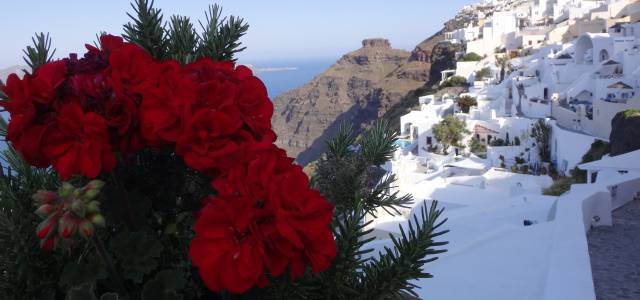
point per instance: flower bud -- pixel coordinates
(47, 226)
(86, 228)
(45, 197)
(90, 194)
(66, 189)
(95, 185)
(48, 243)
(79, 208)
(45, 210)
(67, 226)
(98, 220)
(93, 207)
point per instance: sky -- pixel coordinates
(280, 30)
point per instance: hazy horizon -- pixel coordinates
(279, 29)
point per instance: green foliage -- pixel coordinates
(476, 147)
(466, 102)
(183, 39)
(631, 112)
(498, 143)
(450, 132)
(350, 177)
(454, 81)
(164, 286)
(88, 271)
(40, 53)
(483, 73)
(597, 150)
(221, 35)
(388, 276)
(541, 132)
(147, 29)
(471, 56)
(82, 292)
(137, 253)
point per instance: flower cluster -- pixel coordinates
(264, 216)
(68, 212)
(83, 115)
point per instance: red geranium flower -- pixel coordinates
(266, 216)
(45, 81)
(79, 143)
(210, 139)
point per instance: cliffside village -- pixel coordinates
(547, 77)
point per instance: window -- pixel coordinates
(530, 43)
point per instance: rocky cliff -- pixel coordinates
(625, 132)
(359, 88)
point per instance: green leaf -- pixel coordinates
(81, 292)
(165, 286)
(137, 253)
(89, 271)
(109, 296)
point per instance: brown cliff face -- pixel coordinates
(359, 88)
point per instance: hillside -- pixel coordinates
(359, 88)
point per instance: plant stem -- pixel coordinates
(97, 243)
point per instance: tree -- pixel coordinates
(450, 132)
(466, 102)
(471, 56)
(541, 132)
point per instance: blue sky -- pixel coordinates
(280, 29)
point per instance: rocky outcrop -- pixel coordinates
(376, 43)
(625, 132)
(372, 82)
(359, 88)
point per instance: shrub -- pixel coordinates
(454, 81)
(476, 147)
(471, 56)
(498, 143)
(559, 187)
(483, 73)
(466, 102)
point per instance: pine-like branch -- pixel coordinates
(147, 29)
(221, 36)
(390, 275)
(183, 39)
(339, 147)
(40, 53)
(378, 143)
(381, 197)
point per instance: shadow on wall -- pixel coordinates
(356, 115)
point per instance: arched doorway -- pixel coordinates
(604, 55)
(583, 45)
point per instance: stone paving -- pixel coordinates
(615, 255)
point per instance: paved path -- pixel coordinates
(615, 255)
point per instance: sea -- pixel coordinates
(280, 76)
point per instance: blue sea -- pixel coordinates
(282, 76)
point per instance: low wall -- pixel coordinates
(569, 275)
